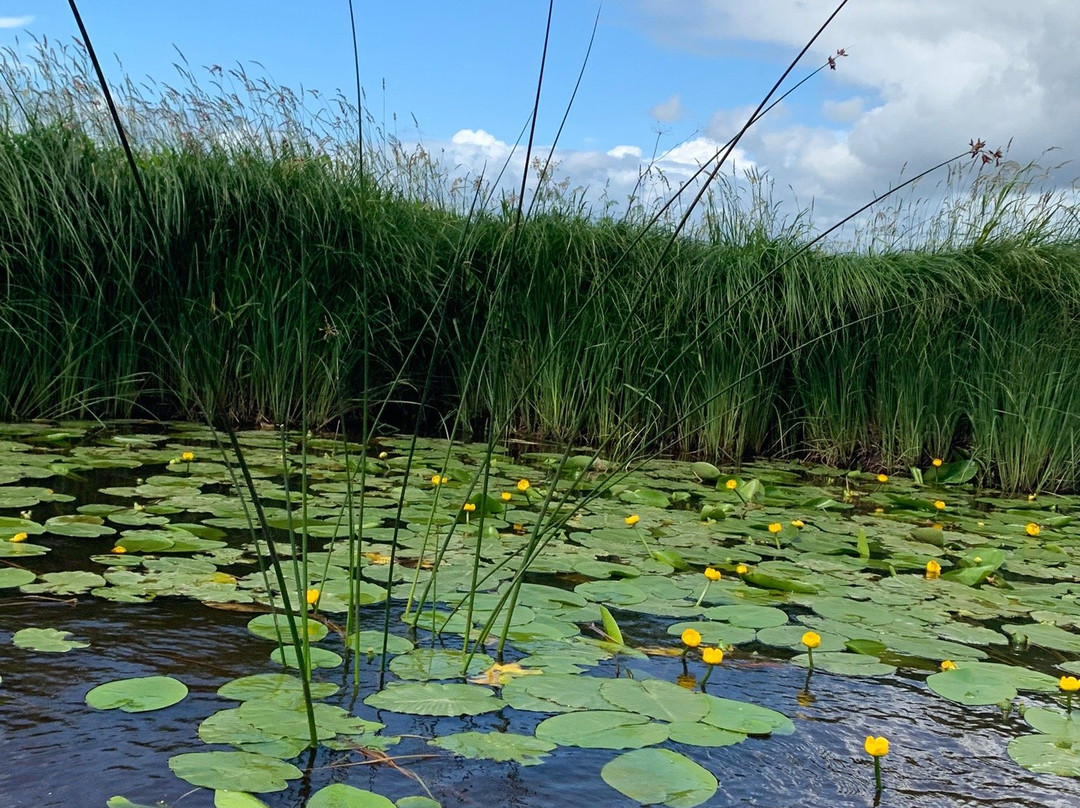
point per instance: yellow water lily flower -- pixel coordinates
(119, 549)
(742, 569)
(1032, 529)
(523, 485)
(775, 527)
(438, 479)
(505, 496)
(500, 674)
(883, 478)
(187, 457)
(876, 747)
(811, 639)
(712, 656)
(731, 485)
(312, 596)
(383, 455)
(948, 665)
(19, 537)
(691, 638)
(469, 507)
(936, 462)
(632, 519)
(1070, 684)
(939, 504)
(933, 569)
(799, 523)
(712, 574)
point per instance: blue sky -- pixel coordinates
(922, 78)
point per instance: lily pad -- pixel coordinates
(660, 776)
(340, 795)
(139, 695)
(13, 576)
(432, 698)
(656, 698)
(234, 771)
(48, 640)
(601, 729)
(1046, 754)
(497, 746)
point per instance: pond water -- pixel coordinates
(178, 602)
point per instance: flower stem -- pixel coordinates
(877, 774)
(703, 593)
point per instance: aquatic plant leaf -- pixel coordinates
(317, 657)
(601, 729)
(431, 698)
(660, 776)
(498, 746)
(1045, 636)
(746, 718)
(48, 640)
(340, 795)
(237, 799)
(13, 576)
(234, 771)
(124, 802)
(83, 526)
(1052, 722)
(611, 627)
(715, 633)
(957, 473)
(555, 693)
(966, 686)
(696, 733)
(845, 664)
(425, 664)
(656, 698)
(748, 616)
(371, 642)
(139, 695)
(263, 626)
(417, 802)
(706, 472)
(1046, 754)
(11, 549)
(73, 582)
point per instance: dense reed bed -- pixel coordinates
(270, 242)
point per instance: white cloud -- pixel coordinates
(668, 111)
(939, 74)
(624, 151)
(16, 22)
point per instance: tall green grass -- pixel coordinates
(570, 325)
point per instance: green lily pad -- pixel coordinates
(1046, 754)
(48, 640)
(340, 795)
(83, 526)
(846, 664)
(696, 733)
(656, 698)
(745, 718)
(74, 582)
(236, 799)
(497, 746)
(601, 729)
(988, 683)
(318, 657)
(555, 693)
(264, 626)
(138, 695)
(660, 776)
(13, 576)
(234, 771)
(432, 698)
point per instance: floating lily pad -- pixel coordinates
(48, 640)
(138, 695)
(745, 718)
(656, 698)
(236, 799)
(264, 626)
(1046, 754)
(555, 693)
(431, 698)
(340, 795)
(497, 746)
(13, 576)
(317, 657)
(234, 771)
(601, 729)
(660, 776)
(846, 664)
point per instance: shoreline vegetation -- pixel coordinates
(570, 325)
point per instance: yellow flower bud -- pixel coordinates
(712, 656)
(775, 527)
(711, 574)
(933, 569)
(1070, 684)
(523, 485)
(632, 519)
(691, 638)
(876, 747)
(799, 523)
(469, 507)
(948, 665)
(312, 596)
(187, 457)
(383, 455)
(19, 537)
(811, 639)
(939, 504)
(1032, 529)
(731, 485)
(936, 462)
(119, 549)
(505, 496)
(883, 478)
(742, 569)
